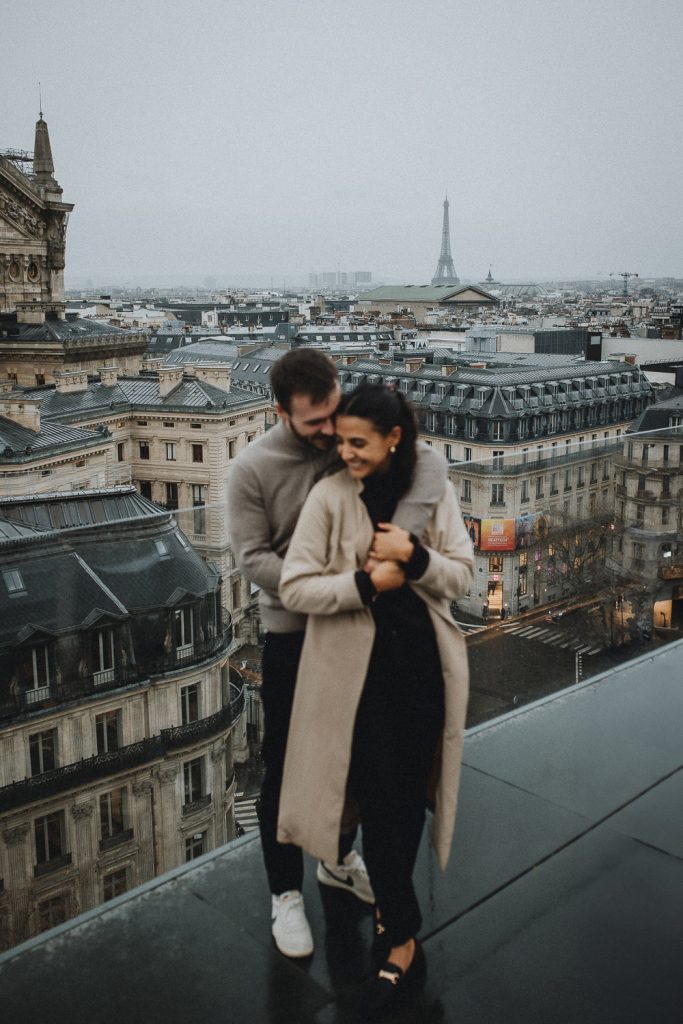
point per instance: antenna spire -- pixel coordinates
(40, 101)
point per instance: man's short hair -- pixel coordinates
(303, 371)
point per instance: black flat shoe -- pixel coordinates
(391, 986)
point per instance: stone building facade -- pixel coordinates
(117, 713)
(530, 453)
(37, 339)
(647, 552)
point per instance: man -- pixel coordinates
(267, 488)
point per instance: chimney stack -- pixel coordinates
(109, 375)
(169, 378)
(24, 411)
(69, 381)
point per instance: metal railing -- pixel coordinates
(99, 766)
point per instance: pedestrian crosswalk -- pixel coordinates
(245, 812)
(553, 637)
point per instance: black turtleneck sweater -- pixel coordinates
(401, 611)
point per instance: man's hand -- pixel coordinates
(391, 543)
(387, 576)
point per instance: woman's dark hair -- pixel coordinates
(385, 409)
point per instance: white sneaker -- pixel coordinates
(351, 875)
(290, 928)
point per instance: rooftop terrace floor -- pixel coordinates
(563, 901)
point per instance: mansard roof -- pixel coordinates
(19, 443)
(54, 329)
(658, 416)
(107, 550)
(139, 392)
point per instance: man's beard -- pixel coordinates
(327, 441)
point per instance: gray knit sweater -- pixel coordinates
(267, 487)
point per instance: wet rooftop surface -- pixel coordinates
(563, 901)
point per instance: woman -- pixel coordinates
(382, 683)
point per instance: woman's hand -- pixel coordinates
(387, 576)
(391, 543)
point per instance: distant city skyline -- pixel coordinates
(256, 141)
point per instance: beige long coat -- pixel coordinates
(331, 541)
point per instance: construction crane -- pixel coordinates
(625, 274)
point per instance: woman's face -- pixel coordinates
(362, 447)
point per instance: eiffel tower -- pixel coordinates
(445, 271)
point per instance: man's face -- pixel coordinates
(312, 422)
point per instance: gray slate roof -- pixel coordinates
(137, 392)
(89, 554)
(19, 443)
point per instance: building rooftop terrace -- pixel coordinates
(562, 902)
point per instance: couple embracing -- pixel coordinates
(353, 533)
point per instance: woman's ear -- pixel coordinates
(394, 435)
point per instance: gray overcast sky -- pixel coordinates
(258, 138)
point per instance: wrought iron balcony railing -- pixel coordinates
(152, 748)
(111, 679)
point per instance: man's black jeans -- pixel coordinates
(284, 861)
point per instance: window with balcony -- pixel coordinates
(43, 751)
(498, 457)
(50, 838)
(172, 496)
(35, 672)
(193, 780)
(594, 473)
(144, 449)
(103, 657)
(497, 494)
(498, 430)
(581, 476)
(525, 491)
(114, 815)
(553, 483)
(170, 451)
(197, 452)
(567, 479)
(198, 507)
(184, 631)
(466, 491)
(108, 731)
(195, 846)
(539, 487)
(471, 427)
(115, 883)
(189, 703)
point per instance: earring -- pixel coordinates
(392, 449)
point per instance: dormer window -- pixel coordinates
(13, 581)
(103, 657)
(35, 673)
(184, 632)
